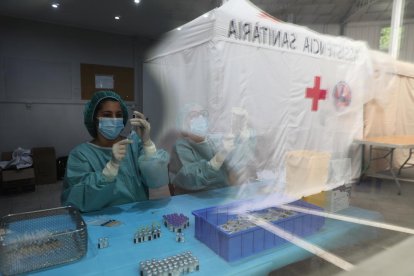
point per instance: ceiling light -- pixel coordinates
(117, 17)
(137, 1)
(55, 5)
(205, 15)
(179, 28)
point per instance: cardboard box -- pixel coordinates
(44, 163)
(337, 204)
(306, 171)
(332, 201)
(17, 180)
(341, 191)
(318, 199)
(338, 198)
(12, 175)
(12, 180)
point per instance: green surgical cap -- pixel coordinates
(91, 106)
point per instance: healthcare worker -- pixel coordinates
(196, 163)
(111, 169)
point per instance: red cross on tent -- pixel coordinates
(316, 93)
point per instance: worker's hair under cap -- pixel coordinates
(90, 108)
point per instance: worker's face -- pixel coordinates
(110, 109)
(198, 123)
(197, 113)
(108, 120)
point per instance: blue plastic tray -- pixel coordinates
(244, 243)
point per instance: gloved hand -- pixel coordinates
(142, 127)
(239, 118)
(244, 135)
(228, 143)
(119, 150)
(227, 146)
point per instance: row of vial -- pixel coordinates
(172, 266)
(147, 234)
(241, 222)
(142, 235)
(176, 222)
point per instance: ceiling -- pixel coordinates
(151, 18)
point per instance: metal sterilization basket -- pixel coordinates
(40, 239)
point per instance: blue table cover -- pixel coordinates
(122, 257)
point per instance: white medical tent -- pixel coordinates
(303, 91)
(390, 112)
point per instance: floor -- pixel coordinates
(45, 196)
(375, 195)
(371, 194)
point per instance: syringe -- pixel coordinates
(132, 131)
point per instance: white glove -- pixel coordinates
(119, 150)
(227, 146)
(228, 143)
(239, 118)
(142, 127)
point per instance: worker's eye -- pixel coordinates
(204, 113)
(110, 114)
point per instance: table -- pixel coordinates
(123, 256)
(388, 145)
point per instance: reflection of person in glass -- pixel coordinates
(196, 163)
(241, 162)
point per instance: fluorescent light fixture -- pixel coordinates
(179, 28)
(117, 17)
(205, 15)
(55, 5)
(137, 1)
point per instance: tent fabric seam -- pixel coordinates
(177, 50)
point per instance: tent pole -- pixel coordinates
(396, 22)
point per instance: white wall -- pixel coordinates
(40, 96)
(407, 43)
(369, 32)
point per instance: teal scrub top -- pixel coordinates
(86, 188)
(193, 171)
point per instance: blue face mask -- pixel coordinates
(199, 126)
(110, 127)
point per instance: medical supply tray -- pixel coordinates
(234, 245)
(40, 239)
